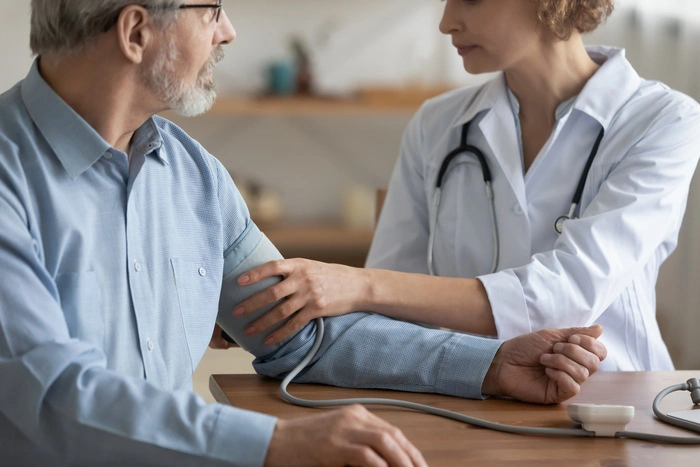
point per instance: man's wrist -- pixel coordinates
(491, 384)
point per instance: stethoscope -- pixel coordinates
(464, 147)
(600, 421)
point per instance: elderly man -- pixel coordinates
(120, 235)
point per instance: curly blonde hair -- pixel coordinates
(562, 17)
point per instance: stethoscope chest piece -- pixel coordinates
(559, 223)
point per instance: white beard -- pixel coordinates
(187, 100)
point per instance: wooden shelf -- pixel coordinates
(268, 106)
(322, 242)
(368, 101)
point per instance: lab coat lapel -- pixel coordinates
(498, 128)
(610, 88)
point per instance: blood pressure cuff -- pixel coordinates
(251, 249)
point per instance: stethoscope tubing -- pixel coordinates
(494, 228)
(464, 147)
(559, 223)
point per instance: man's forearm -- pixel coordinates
(359, 349)
(364, 350)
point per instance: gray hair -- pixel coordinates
(65, 27)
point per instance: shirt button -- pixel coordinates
(108, 155)
(150, 344)
(137, 266)
(517, 209)
(202, 272)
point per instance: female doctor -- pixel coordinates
(546, 197)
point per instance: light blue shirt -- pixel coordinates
(109, 289)
(604, 265)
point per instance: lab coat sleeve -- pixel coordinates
(60, 405)
(401, 238)
(632, 222)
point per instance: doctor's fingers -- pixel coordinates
(282, 311)
(265, 297)
(280, 267)
(313, 280)
(300, 308)
(296, 322)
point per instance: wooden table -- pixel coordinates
(446, 442)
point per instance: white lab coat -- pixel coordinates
(603, 267)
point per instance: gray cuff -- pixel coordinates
(251, 249)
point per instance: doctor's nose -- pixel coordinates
(450, 23)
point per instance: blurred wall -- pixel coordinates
(352, 43)
(313, 162)
(14, 35)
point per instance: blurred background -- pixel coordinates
(314, 97)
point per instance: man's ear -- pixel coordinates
(135, 31)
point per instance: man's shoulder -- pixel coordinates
(12, 108)
(11, 93)
(177, 141)
(175, 138)
(16, 126)
(171, 131)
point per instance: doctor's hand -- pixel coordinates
(545, 367)
(308, 290)
(348, 436)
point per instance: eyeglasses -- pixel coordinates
(218, 7)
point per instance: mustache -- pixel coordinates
(217, 55)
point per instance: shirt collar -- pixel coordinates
(490, 95)
(76, 144)
(610, 87)
(601, 98)
(147, 139)
(561, 110)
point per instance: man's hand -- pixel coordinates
(545, 367)
(348, 436)
(217, 339)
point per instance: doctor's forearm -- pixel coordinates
(454, 303)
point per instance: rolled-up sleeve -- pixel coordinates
(359, 350)
(363, 350)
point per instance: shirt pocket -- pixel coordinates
(81, 302)
(198, 297)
